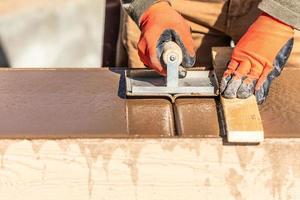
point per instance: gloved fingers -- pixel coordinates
(234, 84)
(232, 66)
(243, 69)
(232, 88)
(184, 39)
(262, 93)
(247, 88)
(142, 46)
(251, 72)
(189, 54)
(148, 54)
(185, 32)
(263, 85)
(263, 76)
(188, 60)
(155, 63)
(224, 82)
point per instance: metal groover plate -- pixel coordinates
(144, 82)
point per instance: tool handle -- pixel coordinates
(172, 57)
(172, 53)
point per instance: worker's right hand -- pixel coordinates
(159, 24)
(258, 58)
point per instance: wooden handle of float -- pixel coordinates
(172, 53)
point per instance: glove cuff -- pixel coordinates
(136, 8)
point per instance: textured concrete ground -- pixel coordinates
(57, 33)
(149, 169)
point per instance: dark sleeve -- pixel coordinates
(136, 8)
(287, 11)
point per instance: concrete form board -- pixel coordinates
(67, 103)
(147, 169)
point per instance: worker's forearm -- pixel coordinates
(286, 11)
(135, 8)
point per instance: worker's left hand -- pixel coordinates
(257, 59)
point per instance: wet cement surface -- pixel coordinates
(150, 117)
(90, 103)
(81, 103)
(281, 112)
(197, 117)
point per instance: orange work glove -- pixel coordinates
(159, 24)
(257, 59)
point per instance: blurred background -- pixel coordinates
(58, 33)
(65, 33)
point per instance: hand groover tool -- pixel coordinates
(146, 82)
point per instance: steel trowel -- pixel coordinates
(177, 82)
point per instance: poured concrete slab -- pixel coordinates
(197, 117)
(68, 103)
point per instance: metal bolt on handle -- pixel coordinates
(172, 57)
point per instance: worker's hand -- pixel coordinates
(160, 24)
(258, 58)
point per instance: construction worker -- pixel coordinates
(262, 30)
